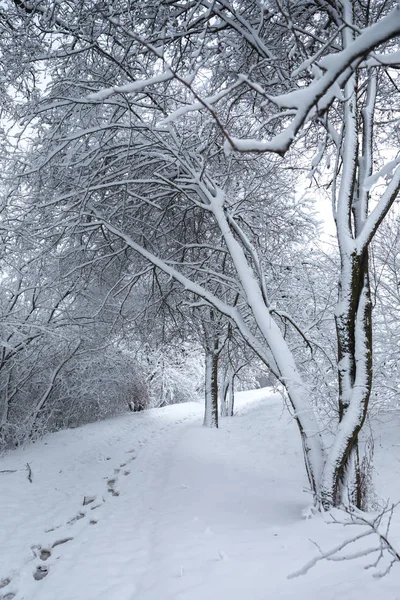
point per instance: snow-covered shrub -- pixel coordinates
(173, 375)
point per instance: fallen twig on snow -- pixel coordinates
(382, 546)
(28, 466)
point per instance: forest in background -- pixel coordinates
(163, 162)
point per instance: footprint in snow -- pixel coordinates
(77, 517)
(44, 554)
(41, 552)
(62, 541)
(52, 528)
(131, 458)
(88, 500)
(111, 487)
(41, 572)
(4, 582)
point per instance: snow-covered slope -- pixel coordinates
(174, 511)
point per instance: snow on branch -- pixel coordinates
(229, 311)
(379, 212)
(337, 68)
(334, 70)
(131, 88)
(384, 60)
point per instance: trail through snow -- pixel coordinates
(152, 506)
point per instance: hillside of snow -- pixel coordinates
(152, 506)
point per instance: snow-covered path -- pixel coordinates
(176, 512)
(120, 464)
(218, 506)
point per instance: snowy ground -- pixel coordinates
(178, 512)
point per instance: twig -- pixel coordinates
(28, 466)
(382, 546)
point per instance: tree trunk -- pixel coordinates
(211, 395)
(231, 394)
(227, 396)
(285, 366)
(224, 401)
(342, 481)
(6, 406)
(224, 394)
(36, 412)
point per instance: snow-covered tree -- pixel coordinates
(141, 101)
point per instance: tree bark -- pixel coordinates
(342, 481)
(224, 398)
(227, 396)
(211, 395)
(231, 395)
